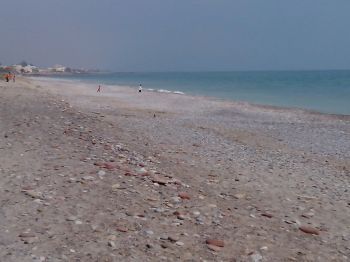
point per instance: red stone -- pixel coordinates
(184, 195)
(309, 230)
(122, 229)
(109, 166)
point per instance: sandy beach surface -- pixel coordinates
(124, 176)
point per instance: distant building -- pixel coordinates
(58, 68)
(25, 69)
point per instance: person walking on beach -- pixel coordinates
(99, 89)
(7, 77)
(140, 88)
(14, 78)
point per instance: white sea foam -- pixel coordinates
(179, 92)
(163, 91)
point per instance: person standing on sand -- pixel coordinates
(99, 89)
(140, 88)
(14, 78)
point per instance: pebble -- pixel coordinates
(159, 180)
(196, 213)
(309, 230)
(159, 210)
(215, 242)
(181, 217)
(164, 245)
(33, 194)
(200, 220)
(268, 215)
(122, 229)
(173, 238)
(149, 232)
(308, 214)
(179, 243)
(256, 257)
(101, 173)
(239, 196)
(214, 248)
(88, 178)
(184, 195)
(176, 200)
(26, 234)
(71, 218)
(111, 244)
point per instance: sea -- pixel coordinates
(321, 91)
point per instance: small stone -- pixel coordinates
(176, 200)
(256, 257)
(109, 166)
(112, 237)
(308, 214)
(30, 240)
(239, 196)
(122, 229)
(111, 244)
(88, 178)
(181, 217)
(164, 245)
(214, 248)
(179, 243)
(26, 234)
(268, 215)
(309, 230)
(159, 180)
(129, 214)
(78, 222)
(71, 218)
(184, 195)
(101, 173)
(33, 194)
(173, 238)
(215, 242)
(149, 232)
(196, 213)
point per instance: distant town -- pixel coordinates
(27, 68)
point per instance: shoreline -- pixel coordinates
(258, 106)
(122, 176)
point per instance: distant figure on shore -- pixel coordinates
(14, 78)
(99, 89)
(140, 88)
(7, 77)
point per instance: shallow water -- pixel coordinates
(323, 91)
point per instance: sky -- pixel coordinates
(177, 35)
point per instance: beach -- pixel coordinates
(125, 176)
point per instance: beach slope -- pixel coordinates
(123, 176)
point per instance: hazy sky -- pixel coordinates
(180, 35)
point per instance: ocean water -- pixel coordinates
(322, 91)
